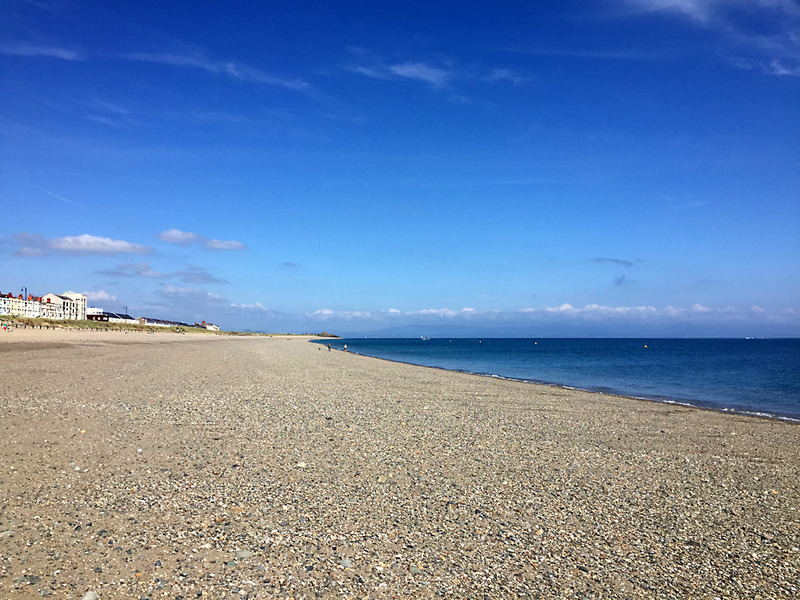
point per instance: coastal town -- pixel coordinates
(72, 306)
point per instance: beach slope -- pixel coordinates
(164, 465)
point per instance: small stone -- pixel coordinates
(244, 553)
(346, 562)
(90, 596)
(415, 570)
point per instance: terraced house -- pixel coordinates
(69, 305)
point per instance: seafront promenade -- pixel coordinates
(138, 465)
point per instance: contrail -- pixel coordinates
(67, 200)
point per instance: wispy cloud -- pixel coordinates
(708, 11)
(613, 261)
(763, 34)
(140, 269)
(171, 290)
(195, 274)
(422, 72)
(497, 75)
(591, 54)
(438, 73)
(622, 280)
(230, 69)
(188, 238)
(36, 245)
(34, 50)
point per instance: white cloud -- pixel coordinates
(440, 312)
(223, 245)
(587, 312)
(181, 238)
(171, 290)
(34, 244)
(563, 308)
(99, 296)
(188, 238)
(256, 306)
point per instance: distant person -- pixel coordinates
(345, 347)
(329, 347)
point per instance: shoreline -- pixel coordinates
(259, 467)
(657, 398)
(665, 400)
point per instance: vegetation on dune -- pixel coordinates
(41, 323)
(14, 321)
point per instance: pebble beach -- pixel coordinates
(138, 465)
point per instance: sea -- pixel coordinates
(758, 377)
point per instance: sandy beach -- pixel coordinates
(183, 466)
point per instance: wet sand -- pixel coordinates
(173, 466)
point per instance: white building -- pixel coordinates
(6, 302)
(19, 306)
(50, 310)
(69, 305)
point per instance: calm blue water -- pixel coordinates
(749, 376)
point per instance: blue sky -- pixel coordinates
(629, 167)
